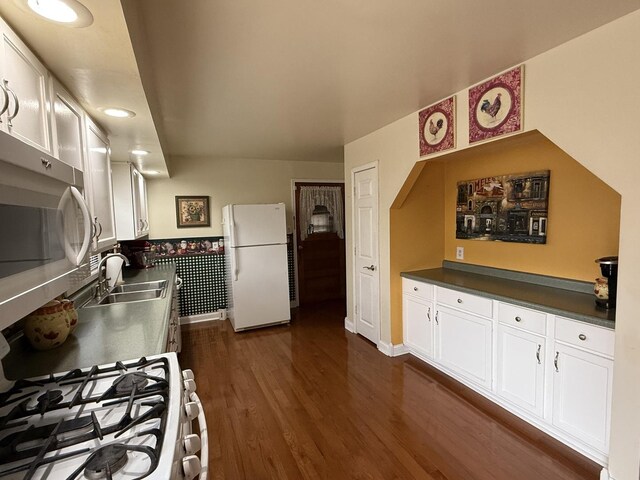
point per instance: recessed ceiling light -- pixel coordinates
(117, 112)
(71, 13)
(140, 152)
(151, 172)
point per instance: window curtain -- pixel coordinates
(330, 197)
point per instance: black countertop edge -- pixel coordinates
(566, 303)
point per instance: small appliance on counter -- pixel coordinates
(139, 253)
(606, 286)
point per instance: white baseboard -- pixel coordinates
(604, 475)
(204, 317)
(392, 350)
(349, 326)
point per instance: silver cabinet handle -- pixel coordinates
(371, 267)
(46, 163)
(141, 223)
(538, 354)
(518, 319)
(429, 313)
(582, 337)
(437, 312)
(415, 289)
(5, 105)
(555, 361)
(459, 300)
(17, 102)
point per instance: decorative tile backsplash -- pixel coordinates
(200, 263)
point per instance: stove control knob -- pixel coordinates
(189, 385)
(191, 467)
(192, 444)
(192, 410)
(188, 374)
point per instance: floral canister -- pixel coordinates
(47, 327)
(601, 288)
(72, 314)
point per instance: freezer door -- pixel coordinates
(260, 286)
(252, 225)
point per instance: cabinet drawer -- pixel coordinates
(418, 289)
(583, 335)
(465, 301)
(530, 320)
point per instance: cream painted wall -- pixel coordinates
(583, 95)
(228, 181)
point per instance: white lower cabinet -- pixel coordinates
(520, 372)
(582, 383)
(464, 345)
(552, 371)
(418, 315)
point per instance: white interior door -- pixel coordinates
(365, 237)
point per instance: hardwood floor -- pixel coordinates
(312, 401)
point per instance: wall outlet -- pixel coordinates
(459, 253)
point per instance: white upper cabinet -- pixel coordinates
(130, 200)
(68, 144)
(98, 188)
(24, 89)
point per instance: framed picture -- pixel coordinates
(505, 208)
(192, 212)
(437, 127)
(495, 106)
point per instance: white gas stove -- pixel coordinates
(128, 420)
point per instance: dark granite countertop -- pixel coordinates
(105, 333)
(550, 299)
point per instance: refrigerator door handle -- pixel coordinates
(234, 257)
(232, 228)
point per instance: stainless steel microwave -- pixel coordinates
(45, 228)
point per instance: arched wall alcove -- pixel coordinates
(584, 215)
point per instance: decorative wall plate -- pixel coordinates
(437, 127)
(495, 106)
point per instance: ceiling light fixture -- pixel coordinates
(70, 13)
(139, 152)
(117, 112)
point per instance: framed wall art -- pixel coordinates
(192, 211)
(495, 106)
(437, 127)
(507, 208)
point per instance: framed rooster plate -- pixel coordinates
(495, 106)
(437, 127)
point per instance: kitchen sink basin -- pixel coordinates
(140, 287)
(131, 296)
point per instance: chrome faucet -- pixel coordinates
(102, 283)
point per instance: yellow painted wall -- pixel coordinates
(584, 213)
(584, 216)
(417, 232)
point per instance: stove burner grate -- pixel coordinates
(105, 461)
(126, 382)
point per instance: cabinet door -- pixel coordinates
(521, 368)
(101, 192)
(464, 345)
(582, 395)
(417, 318)
(67, 128)
(27, 83)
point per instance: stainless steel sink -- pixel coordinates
(140, 287)
(132, 292)
(131, 296)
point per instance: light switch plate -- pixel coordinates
(459, 253)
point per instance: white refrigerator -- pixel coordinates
(257, 277)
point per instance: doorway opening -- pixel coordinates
(320, 246)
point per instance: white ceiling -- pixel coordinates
(289, 79)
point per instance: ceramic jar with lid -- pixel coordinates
(72, 314)
(48, 327)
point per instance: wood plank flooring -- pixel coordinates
(313, 401)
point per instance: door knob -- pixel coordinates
(371, 267)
